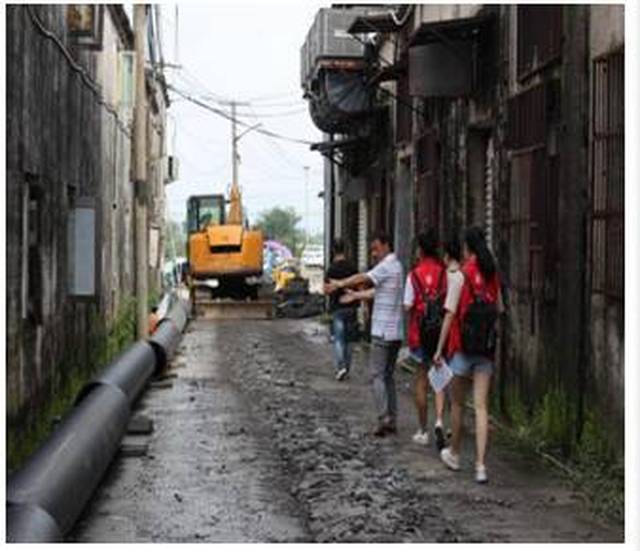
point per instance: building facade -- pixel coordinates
(510, 118)
(70, 198)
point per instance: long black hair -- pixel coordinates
(475, 241)
(428, 243)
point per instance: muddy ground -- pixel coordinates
(255, 441)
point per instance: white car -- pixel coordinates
(313, 257)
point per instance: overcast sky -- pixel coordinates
(246, 52)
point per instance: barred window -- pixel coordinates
(607, 156)
(404, 113)
(539, 37)
(428, 180)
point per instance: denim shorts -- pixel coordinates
(465, 365)
(417, 354)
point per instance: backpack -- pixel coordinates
(430, 320)
(478, 331)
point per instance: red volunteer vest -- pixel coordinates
(427, 273)
(491, 290)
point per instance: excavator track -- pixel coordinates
(207, 308)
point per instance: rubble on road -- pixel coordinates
(337, 475)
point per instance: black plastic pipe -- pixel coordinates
(46, 496)
(60, 477)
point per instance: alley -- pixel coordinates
(255, 441)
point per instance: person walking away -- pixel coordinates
(424, 293)
(469, 332)
(386, 325)
(343, 316)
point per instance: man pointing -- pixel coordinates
(386, 280)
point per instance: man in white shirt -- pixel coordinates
(386, 325)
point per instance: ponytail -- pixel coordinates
(475, 241)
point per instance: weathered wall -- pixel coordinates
(62, 145)
(606, 35)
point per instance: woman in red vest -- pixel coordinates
(427, 279)
(480, 282)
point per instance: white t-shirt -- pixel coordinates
(409, 294)
(387, 317)
(455, 282)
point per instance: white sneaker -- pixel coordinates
(450, 459)
(421, 438)
(481, 474)
(341, 374)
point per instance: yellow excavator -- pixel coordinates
(224, 254)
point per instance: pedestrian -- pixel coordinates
(386, 325)
(424, 293)
(343, 316)
(153, 320)
(468, 331)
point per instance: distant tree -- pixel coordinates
(175, 235)
(281, 224)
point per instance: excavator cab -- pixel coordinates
(203, 210)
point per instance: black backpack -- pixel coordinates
(430, 321)
(479, 334)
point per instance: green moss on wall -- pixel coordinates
(28, 431)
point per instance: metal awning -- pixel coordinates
(466, 28)
(376, 23)
(330, 146)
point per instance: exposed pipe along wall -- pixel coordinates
(47, 495)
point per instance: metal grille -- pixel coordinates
(527, 118)
(428, 181)
(539, 37)
(404, 114)
(608, 176)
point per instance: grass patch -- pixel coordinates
(591, 465)
(29, 431)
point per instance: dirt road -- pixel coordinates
(255, 441)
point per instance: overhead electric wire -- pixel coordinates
(88, 80)
(225, 115)
(273, 115)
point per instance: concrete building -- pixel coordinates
(70, 230)
(507, 117)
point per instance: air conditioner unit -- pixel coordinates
(171, 172)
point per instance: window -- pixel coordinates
(404, 112)
(539, 37)
(428, 181)
(532, 222)
(126, 80)
(85, 23)
(607, 157)
(31, 263)
(203, 211)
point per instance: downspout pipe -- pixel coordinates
(48, 493)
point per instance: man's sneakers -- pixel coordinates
(341, 374)
(450, 459)
(421, 437)
(481, 474)
(440, 439)
(385, 427)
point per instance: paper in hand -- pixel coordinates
(439, 377)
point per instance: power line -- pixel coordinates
(89, 82)
(225, 115)
(274, 115)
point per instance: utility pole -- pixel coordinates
(306, 205)
(235, 138)
(234, 146)
(140, 173)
